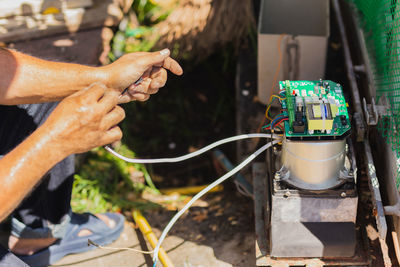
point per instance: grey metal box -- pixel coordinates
(301, 29)
(305, 225)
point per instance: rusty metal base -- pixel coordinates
(360, 259)
(263, 258)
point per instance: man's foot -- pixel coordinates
(81, 228)
(25, 246)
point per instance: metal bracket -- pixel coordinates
(376, 194)
(373, 112)
(360, 68)
(293, 57)
(393, 210)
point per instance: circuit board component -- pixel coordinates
(319, 117)
(316, 109)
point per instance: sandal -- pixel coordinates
(72, 243)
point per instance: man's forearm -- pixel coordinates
(23, 167)
(25, 79)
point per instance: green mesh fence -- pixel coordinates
(380, 21)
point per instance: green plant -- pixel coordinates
(149, 12)
(106, 183)
(132, 37)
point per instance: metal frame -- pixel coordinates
(362, 135)
(360, 126)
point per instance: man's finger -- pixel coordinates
(91, 93)
(109, 100)
(143, 87)
(169, 63)
(173, 66)
(125, 98)
(151, 59)
(140, 96)
(112, 135)
(158, 79)
(113, 118)
(153, 91)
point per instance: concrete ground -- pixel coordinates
(181, 253)
(221, 233)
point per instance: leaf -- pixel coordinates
(200, 217)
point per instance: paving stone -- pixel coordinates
(83, 47)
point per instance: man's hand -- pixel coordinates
(151, 67)
(86, 119)
(53, 81)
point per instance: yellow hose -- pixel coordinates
(146, 230)
(190, 190)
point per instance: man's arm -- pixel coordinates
(80, 122)
(25, 79)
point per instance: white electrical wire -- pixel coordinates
(193, 154)
(209, 187)
(90, 242)
(204, 191)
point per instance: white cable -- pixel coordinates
(193, 154)
(204, 191)
(90, 242)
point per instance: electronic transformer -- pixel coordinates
(314, 200)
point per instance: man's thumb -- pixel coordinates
(154, 58)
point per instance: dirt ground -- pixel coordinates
(226, 225)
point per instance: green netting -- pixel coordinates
(380, 21)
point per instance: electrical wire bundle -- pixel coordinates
(278, 120)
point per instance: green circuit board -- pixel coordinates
(316, 109)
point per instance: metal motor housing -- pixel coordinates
(314, 165)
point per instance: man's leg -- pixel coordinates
(44, 216)
(45, 213)
(48, 205)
